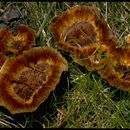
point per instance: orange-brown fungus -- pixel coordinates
(15, 44)
(82, 32)
(27, 80)
(117, 70)
(118, 76)
(128, 38)
(75, 29)
(127, 41)
(30, 80)
(96, 61)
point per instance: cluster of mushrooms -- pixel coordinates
(28, 74)
(83, 33)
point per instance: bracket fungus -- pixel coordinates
(27, 80)
(15, 44)
(117, 69)
(117, 73)
(127, 41)
(81, 31)
(128, 38)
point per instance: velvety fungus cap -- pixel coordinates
(27, 80)
(15, 44)
(81, 31)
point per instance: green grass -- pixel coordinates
(82, 98)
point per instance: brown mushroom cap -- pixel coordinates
(128, 38)
(16, 44)
(117, 70)
(93, 62)
(79, 27)
(27, 80)
(127, 41)
(75, 29)
(82, 32)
